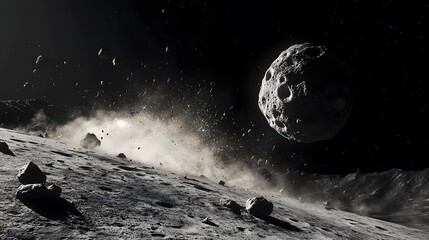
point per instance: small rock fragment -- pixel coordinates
(121, 155)
(90, 141)
(328, 205)
(234, 206)
(221, 183)
(259, 206)
(55, 190)
(30, 174)
(209, 222)
(4, 148)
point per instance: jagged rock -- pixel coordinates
(306, 94)
(234, 206)
(121, 155)
(90, 141)
(34, 192)
(4, 148)
(221, 183)
(30, 174)
(209, 222)
(55, 190)
(259, 206)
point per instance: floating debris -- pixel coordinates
(39, 59)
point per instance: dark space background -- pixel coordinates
(211, 56)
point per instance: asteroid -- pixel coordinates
(259, 206)
(31, 174)
(90, 141)
(306, 94)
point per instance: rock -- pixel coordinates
(4, 148)
(55, 190)
(30, 174)
(34, 192)
(328, 205)
(209, 222)
(307, 94)
(221, 183)
(234, 206)
(259, 206)
(121, 155)
(203, 177)
(90, 141)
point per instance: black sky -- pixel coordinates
(231, 43)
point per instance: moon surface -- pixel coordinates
(130, 200)
(306, 94)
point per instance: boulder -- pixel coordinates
(4, 148)
(259, 206)
(30, 174)
(90, 141)
(34, 192)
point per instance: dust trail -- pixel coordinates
(169, 144)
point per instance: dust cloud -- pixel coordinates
(168, 144)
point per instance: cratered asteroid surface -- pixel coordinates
(306, 94)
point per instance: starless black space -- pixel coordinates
(184, 48)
